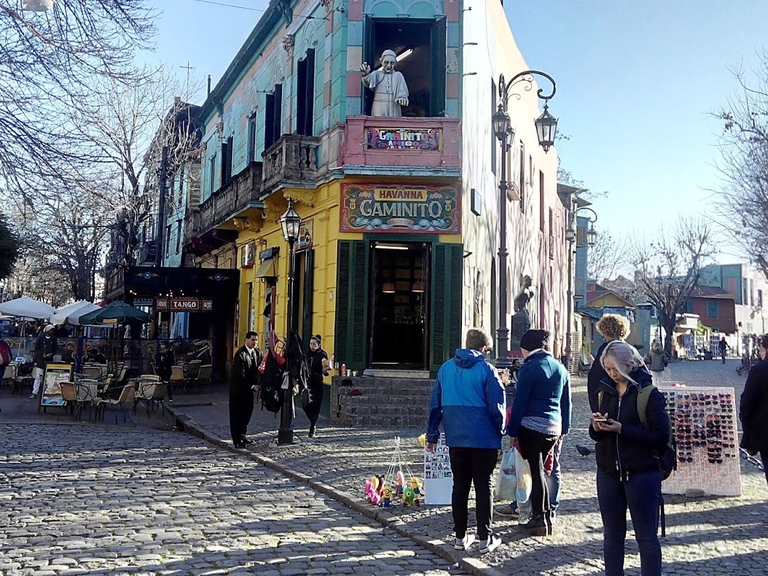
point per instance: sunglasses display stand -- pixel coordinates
(704, 424)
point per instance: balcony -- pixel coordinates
(401, 146)
(291, 162)
(230, 200)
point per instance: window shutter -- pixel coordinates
(305, 94)
(438, 71)
(447, 271)
(309, 286)
(269, 114)
(277, 121)
(351, 334)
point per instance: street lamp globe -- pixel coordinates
(570, 235)
(501, 123)
(591, 235)
(291, 223)
(546, 129)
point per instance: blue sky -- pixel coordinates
(636, 84)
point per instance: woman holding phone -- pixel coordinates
(628, 473)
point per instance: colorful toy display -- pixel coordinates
(392, 488)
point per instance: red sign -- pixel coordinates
(185, 305)
(161, 304)
(207, 306)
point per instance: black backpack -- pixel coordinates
(270, 383)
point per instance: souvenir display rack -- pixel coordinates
(704, 424)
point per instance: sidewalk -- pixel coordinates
(704, 536)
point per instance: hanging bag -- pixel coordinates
(506, 478)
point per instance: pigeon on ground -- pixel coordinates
(583, 450)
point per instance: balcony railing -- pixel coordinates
(230, 200)
(291, 162)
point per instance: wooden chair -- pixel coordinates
(193, 370)
(203, 377)
(69, 395)
(87, 395)
(177, 378)
(10, 374)
(127, 395)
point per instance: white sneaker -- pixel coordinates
(490, 544)
(464, 543)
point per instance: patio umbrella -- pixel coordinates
(27, 307)
(70, 314)
(117, 312)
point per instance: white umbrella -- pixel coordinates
(71, 313)
(27, 307)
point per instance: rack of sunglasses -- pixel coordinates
(704, 425)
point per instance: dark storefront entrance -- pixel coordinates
(399, 310)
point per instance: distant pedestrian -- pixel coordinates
(611, 327)
(753, 408)
(164, 361)
(468, 399)
(541, 415)
(628, 474)
(46, 346)
(6, 355)
(242, 385)
(722, 347)
(656, 360)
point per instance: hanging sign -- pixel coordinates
(404, 139)
(143, 302)
(185, 305)
(304, 241)
(207, 306)
(402, 208)
(161, 303)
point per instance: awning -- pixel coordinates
(267, 269)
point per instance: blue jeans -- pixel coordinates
(641, 494)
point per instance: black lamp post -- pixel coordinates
(546, 129)
(570, 238)
(291, 223)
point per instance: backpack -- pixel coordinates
(668, 457)
(5, 354)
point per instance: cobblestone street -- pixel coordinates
(95, 498)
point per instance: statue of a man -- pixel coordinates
(390, 89)
(521, 321)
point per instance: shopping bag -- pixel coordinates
(524, 480)
(506, 478)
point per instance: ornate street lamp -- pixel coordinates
(291, 224)
(570, 237)
(546, 128)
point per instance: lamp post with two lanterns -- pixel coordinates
(291, 225)
(546, 128)
(570, 238)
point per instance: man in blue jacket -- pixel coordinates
(468, 398)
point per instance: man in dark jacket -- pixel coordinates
(244, 382)
(468, 398)
(164, 361)
(753, 408)
(45, 348)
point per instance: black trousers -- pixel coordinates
(472, 466)
(240, 411)
(534, 447)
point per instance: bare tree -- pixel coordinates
(48, 63)
(608, 257)
(743, 166)
(9, 248)
(668, 268)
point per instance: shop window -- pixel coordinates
(273, 116)
(420, 46)
(305, 94)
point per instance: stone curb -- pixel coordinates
(471, 565)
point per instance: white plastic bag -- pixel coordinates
(506, 478)
(524, 480)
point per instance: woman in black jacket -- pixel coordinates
(628, 471)
(753, 410)
(318, 368)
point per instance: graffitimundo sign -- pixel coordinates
(424, 209)
(404, 139)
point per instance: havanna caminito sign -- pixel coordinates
(415, 209)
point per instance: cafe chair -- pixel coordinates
(126, 399)
(69, 395)
(87, 395)
(177, 381)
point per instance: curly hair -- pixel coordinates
(613, 327)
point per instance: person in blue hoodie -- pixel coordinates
(541, 414)
(468, 399)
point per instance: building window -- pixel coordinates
(252, 138)
(273, 116)
(580, 233)
(689, 306)
(178, 235)
(542, 206)
(226, 162)
(305, 94)
(744, 291)
(759, 298)
(551, 234)
(522, 177)
(212, 175)
(713, 309)
(167, 240)
(751, 292)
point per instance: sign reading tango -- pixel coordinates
(419, 209)
(404, 139)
